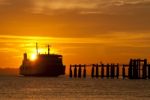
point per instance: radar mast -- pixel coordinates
(37, 48)
(48, 49)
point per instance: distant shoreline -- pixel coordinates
(9, 71)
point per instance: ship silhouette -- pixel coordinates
(44, 65)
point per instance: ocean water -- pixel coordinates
(63, 88)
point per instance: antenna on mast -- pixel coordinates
(48, 49)
(37, 48)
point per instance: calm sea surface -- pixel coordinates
(62, 88)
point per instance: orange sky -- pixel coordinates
(83, 31)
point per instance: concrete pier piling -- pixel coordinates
(97, 71)
(136, 69)
(123, 72)
(84, 71)
(117, 71)
(107, 71)
(144, 72)
(75, 71)
(70, 72)
(79, 72)
(102, 71)
(148, 71)
(112, 71)
(92, 72)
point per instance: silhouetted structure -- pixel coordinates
(84, 71)
(78, 69)
(97, 70)
(136, 69)
(44, 65)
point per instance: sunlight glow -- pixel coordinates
(33, 57)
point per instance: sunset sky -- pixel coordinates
(83, 31)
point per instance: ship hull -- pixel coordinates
(43, 71)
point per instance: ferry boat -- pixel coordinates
(44, 65)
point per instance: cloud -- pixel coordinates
(65, 4)
(117, 39)
(50, 6)
(40, 6)
(130, 8)
(74, 18)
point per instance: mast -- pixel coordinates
(37, 48)
(48, 49)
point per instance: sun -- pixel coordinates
(33, 57)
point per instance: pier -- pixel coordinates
(136, 69)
